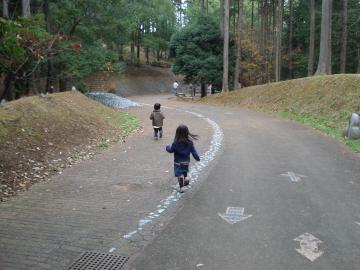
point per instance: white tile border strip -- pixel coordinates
(194, 172)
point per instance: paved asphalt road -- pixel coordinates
(115, 202)
(257, 151)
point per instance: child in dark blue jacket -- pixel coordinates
(182, 147)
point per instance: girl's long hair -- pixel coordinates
(183, 135)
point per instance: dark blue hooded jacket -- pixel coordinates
(182, 152)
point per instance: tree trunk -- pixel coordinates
(358, 54)
(46, 14)
(25, 8)
(32, 84)
(158, 55)
(225, 86)
(221, 10)
(138, 41)
(238, 44)
(48, 87)
(262, 27)
(325, 47)
(8, 82)
(234, 7)
(273, 17)
(138, 53)
(252, 15)
(147, 55)
(278, 41)
(274, 38)
(269, 39)
(202, 6)
(312, 38)
(121, 52)
(330, 39)
(290, 38)
(266, 25)
(344, 33)
(203, 89)
(5, 4)
(62, 85)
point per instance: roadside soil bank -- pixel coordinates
(322, 102)
(40, 136)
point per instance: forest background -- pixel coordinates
(47, 46)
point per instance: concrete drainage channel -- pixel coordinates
(165, 210)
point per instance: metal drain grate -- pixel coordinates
(98, 261)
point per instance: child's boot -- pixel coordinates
(181, 184)
(186, 182)
(155, 134)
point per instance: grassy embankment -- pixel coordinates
(41, 135)
(321, 102)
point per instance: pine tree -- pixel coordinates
(280, 5)
(344, 33)
(5, 4)
(239, 31)
(324, 64)
(225, 85)
(312, 38)
(25, 8)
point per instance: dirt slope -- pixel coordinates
(323, 102)
(41, 135)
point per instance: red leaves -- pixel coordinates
(61, 37)
(76, 46)
(46, 46)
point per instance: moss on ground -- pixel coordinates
(322, 102)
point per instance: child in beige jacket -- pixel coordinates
(157, 121)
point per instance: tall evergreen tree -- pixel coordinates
(25, 8)
(324, 64)
(5, 6)
(221, 15)
(312, 38)
(225, 85)
(291, 17)
(238, 35)
(279, 28)
(344, 33)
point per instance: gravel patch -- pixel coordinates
(112, 100)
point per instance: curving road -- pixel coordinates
(277, 196)
(296, 199)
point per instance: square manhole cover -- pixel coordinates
(98, 261)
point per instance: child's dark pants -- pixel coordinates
(158, 130)
(181, 171)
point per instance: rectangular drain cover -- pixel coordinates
(98, 261)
